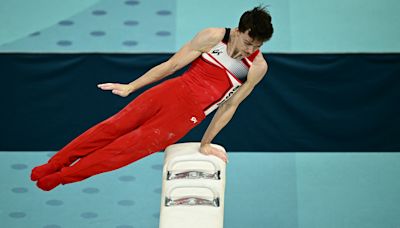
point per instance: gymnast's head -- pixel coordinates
(254, 29)
(257, 23)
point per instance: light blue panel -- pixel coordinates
(127, 197)
(348, 190)
(195, 15)
(19, 18)
(304, 26)
(261, 190)
(305, 190)
(108, 26)
(345, 26)
(301, 26)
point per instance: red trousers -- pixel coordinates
(157, 118)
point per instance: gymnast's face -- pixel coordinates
(246, 44)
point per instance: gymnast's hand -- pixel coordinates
(207, 149)
(122, 90)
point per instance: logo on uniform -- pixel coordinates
(217, 52)
(228, 95)
(193, 119)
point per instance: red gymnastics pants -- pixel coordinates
(157, 118)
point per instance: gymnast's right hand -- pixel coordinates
(207, 149)
(122, 90)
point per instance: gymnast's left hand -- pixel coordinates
(122, 90)
(207, 149)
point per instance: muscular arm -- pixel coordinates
(226, 111)
(203, 41)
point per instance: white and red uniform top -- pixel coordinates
(215, 76)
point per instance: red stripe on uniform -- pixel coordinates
(246, 63)
(253, 56)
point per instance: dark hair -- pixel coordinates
(258, 21)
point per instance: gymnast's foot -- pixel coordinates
(49, 182)
(42, 171)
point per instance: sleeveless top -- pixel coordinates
(215, 76)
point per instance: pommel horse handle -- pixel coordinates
(192, 174)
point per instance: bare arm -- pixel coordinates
(226, 111)
(189, 52)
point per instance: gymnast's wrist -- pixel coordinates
(131, 88)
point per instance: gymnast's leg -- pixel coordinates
(165, 128)
(121, 152)
(100, 135)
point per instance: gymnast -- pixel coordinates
(226, 65)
